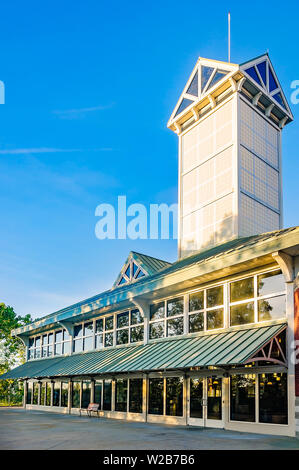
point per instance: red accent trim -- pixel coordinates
(296, 334)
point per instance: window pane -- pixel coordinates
(156, 391)
(50, 351)
(44, 352)
(214, 398)
(86, 387)
(58, 336)
(99, 341)
(122, 336)
(45, 339)
(122, 319)
(121, 393)
(135, 401)
(88, 328)
(109, 323)
(137, 334)
(99, 325)
(43, 393)
(108, 339)
(78, 345)
(37, 342)
(78, 331)
(35, 394)
(215, 296)
(31, 342)
(76, 394)
(196, 301)
(270, 283)
(64, 394)
(98, 386)
(37, 353)
(29, 393)
(48, 394)
(50, 338)
(175, 326)
(136, 317)
(175, 307)
(242, 290)
(196, 322)
(272, 309)
(88, 343)
(174, 396)
(242, 314)
(56, 394)
(157, 311)
(156, 330)
(66, 347)
(215, 319)
(196, 395)
(107, 395)
(58, 349)
(242, 398)
(273, 398)
(66, 335)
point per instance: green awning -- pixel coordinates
(219, 349)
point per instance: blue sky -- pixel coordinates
(89, 89)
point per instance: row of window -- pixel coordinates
(266, 390)
(253, 299)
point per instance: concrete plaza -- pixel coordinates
(21, 429)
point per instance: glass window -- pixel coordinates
(50, 338)
(196, 322)
(107, 395)
(58, 349)
(48, 394)
(66, 347)
(37, 342)
(242, 398)
(156, 392)
(121, 393)
(122, 336)
(135, 400)
(56, 394)
(99, 325)
(272, 309)
(31, 342)
(174, 396)
(214, 410)
(215, 296)
(64, 394)
(58, 336)
(157, 311)
(136, 317)
(45, 339)
(108, 339)
(156, 330)
(66, 335)
(50, 350)
(242, 290)
(215, 319)
(196, 395)
(98, 387)
(122, 319)
(78, 331)
(175, 326)
(99, 341)
(175, 307)
(88, 343)
(242, 314)
(29, 393)
(270, 283)
(109, 323)
(137, 334)
(88, 328)
(86, 388)
(273, 398)
(35, 393)
(196, 301)
(76, 394)
(42, 393)
(78, 345)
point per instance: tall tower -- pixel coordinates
(229, 120)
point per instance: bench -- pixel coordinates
(91, 407)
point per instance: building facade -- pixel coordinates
(209, 340)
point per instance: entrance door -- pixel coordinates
(205, 402)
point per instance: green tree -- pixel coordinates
(12, 353)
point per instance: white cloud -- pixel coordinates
(80, 112)
(39, 150)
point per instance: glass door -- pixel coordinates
(205, 402)
(196, 401)
(214, 402)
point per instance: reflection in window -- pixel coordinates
(215, 319)
(157, 311)
(196, 322)
(196, 301)
(98, 389)
(35, 393)
(56, 394)
(214, 410)
(242, 313)
(156, 330)
(137, 334)
(273, 398)
(135, 396)
(107, 392)
(271, 283)
(156, 392)
(86, 388)
(29, 393)
(272, 309)
(215, 297)
(48, 394)
(76, 394)
(242, 290)
(175, 307)
(43, 393)
(196, 395)
(64, 394)
(174, 396)
(175, 326)
(122, 336)
(242, 398)
(121, 394)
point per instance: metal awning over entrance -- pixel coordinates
(219, 349)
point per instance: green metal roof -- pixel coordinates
(219, 349)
